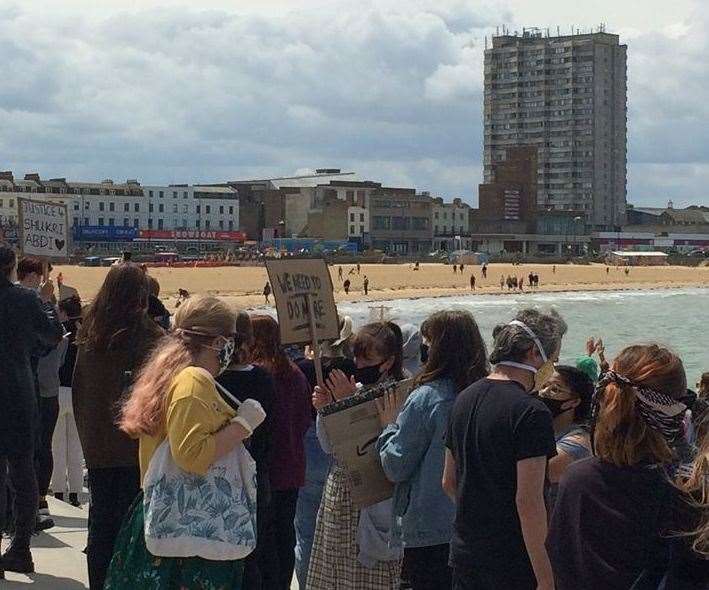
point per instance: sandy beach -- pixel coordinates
(243, 286)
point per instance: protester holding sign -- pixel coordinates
(290, 420)
(114, 340)
(352, 546)
(26, 321)
(412, 447)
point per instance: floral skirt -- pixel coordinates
(132, 566)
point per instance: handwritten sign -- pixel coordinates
(43, 229)
(294, 283)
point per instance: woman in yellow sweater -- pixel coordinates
(175, 399)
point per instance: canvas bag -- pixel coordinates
(211, 516)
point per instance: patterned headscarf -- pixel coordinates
(661, 412)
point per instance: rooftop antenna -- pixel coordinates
(558, 31)
(497, 33)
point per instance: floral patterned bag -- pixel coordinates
(212, 516)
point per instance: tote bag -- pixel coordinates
(212, 516)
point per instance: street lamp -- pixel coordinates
(576, 220)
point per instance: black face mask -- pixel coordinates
(424, 354)
(554, 405)
(368, 375)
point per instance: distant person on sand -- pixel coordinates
(530, 278)
(484, 271)
(627, 272)
(536, 280)
(352, 271)
(416, 266)
(455, 269)
(182, 295)
(346, 285)
(502, 283)
(607, 270)
(520, 283)
(553, 269)
(366, 285)
(267, 291)
(461, 269)
(359, 269)
(472, 282)
(339, 272)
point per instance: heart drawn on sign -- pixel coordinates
(59, 244)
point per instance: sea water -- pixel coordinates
(676, 318)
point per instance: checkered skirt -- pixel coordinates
(333, 561)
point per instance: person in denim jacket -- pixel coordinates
(412, 446)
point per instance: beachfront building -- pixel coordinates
(451, 224)
(400, 221)
(187, 207)
(279, 206)
(567, 96)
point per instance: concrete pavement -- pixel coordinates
(58, 558)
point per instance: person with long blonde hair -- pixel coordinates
(175, 398)
(615, 511)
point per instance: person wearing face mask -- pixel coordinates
(176, 398)
(498, 442)
(616, 513)
(113, 342)
(412, 449)
(352, 548)
(568, 394)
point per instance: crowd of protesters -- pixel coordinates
(209, 465)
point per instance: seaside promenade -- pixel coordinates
(58, 558)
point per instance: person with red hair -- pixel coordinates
(615, 511)
(290, 419)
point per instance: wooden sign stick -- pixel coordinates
(317, 361)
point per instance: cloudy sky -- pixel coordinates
(210, 90)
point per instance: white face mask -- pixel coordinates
(525, 366)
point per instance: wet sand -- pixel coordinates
(243, 286)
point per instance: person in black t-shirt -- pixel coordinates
(499, 440)
(244, 380)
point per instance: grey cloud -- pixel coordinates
(391, 89)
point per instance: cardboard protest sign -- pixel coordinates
(295, 283)
(352, 426)
(43, 229)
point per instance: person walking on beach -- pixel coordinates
(413, 456)
(472, 282)
(115, 339)
(484, 271)
(365, 284)
(499, 439)
(359, 269)
(267, 291)
(502, 283)
(27, 320)
(346, 285)
(339, 273)
(530, 280)
(520, 283)
(462, 267)
(455, 269)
